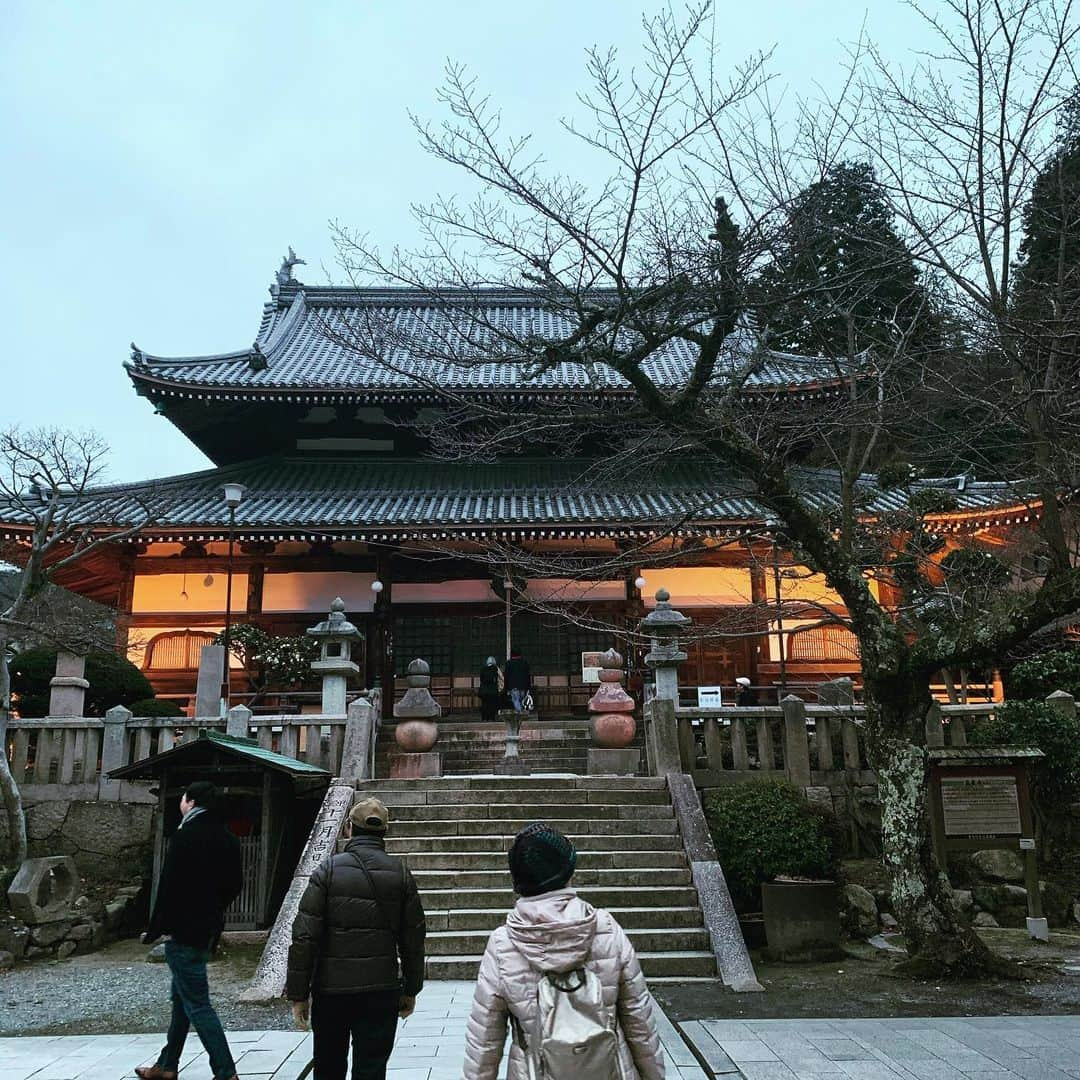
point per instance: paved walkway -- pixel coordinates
(430, 1046)
(1001, 1048)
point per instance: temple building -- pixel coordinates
(342, 497)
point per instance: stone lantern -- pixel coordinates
(612, 723)
(664, 625)
(335, 635)
(417, 731)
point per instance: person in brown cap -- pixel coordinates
(360, 915)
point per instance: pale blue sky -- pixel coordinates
(158, 158)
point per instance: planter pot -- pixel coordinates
(802, 920)
(416, 736)
(753, 930)
(613, 731)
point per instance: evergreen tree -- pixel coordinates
(842, 280)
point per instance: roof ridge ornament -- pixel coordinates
(285, 273)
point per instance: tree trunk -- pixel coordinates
(16, 817)
(937, 935)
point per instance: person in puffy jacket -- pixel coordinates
(360, 912)
(551, 929)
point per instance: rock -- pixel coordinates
(83, 901)
(7, 960)
(14, 938)
(882, 943)
(888, 922)
(65, 950)
(860, 913)
(998, 865)
(1007, 903)
(43, 819)
(157, 954)
(114, 914)
(128, 892)
(1076, 911)
(35, 951)
(964, 901)
(1056, 902)
(43, 889)
(50, 933)
(98, 935)
(984, 918)
(82, 932)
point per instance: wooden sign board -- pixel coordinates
(983, 807)
(591, 664)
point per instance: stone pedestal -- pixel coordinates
(67, 689)
(511, 763)
(614, 762)
(416, 766)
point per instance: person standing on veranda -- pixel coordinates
(360, 915)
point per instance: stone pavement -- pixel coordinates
(430, 1046)
(1001, 1048)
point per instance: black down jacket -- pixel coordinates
(341, 943)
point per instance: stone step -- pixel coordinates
(533, 795)
(496, 860)
(473, 942)
(572, 827)
(500, 844)
(660, 918)
(691, 964)
(637, 783)
(525, 808)
(427, 880)
(597, 895)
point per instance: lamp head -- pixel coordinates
(234, 495)
(639, 582)
(376, 586)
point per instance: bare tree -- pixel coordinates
(650, 290)
(46, 475)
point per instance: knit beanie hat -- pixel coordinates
(541, 859)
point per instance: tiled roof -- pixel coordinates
(315, 341)
(301, 497)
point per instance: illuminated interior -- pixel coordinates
(195, 592)
(698, 586)
(314, 591)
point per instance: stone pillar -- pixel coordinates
(67, 688)
(417, 732)
(238, 722)
(935, 727)
(360, 727)
(796, 743)
(663, 625)
(211, 678)
(662, 734)
(612, 723)
(336, 635)
(114, 739)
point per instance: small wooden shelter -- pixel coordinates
(269, 802)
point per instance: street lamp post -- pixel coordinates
(234, 495)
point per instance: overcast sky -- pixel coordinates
(158, 159)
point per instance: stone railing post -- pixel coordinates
(114, 740)
(662, 731)
(238, 722)
(67, 688)
(359, 740)
(208, 685)
(935, 727)
(1062, 702)
(796, 743)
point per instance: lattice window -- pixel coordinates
(176, 650)
(823, 643)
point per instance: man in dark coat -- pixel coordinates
(200, 879)
(360, 913)
(518, 679)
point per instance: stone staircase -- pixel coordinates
(454, 833)
(471, 747)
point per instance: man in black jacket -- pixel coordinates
(360, 913)
(201, 877)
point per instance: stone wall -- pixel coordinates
(109, 841)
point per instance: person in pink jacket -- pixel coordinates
(551, 929)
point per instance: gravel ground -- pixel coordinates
(117, 990)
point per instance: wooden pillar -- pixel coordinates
(759, 597)
(384, 622)
(255, 573)
(125, 595)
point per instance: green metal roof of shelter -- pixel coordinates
(248, 750)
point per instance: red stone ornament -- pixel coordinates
(612, 724)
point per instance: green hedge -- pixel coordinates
(763, 830)
(155, 707)
(113, 679)
(1040, 675)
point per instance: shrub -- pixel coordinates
(1041, 675)
(767, 829)
(113, 679)
(1034, 723)
(155, 707)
